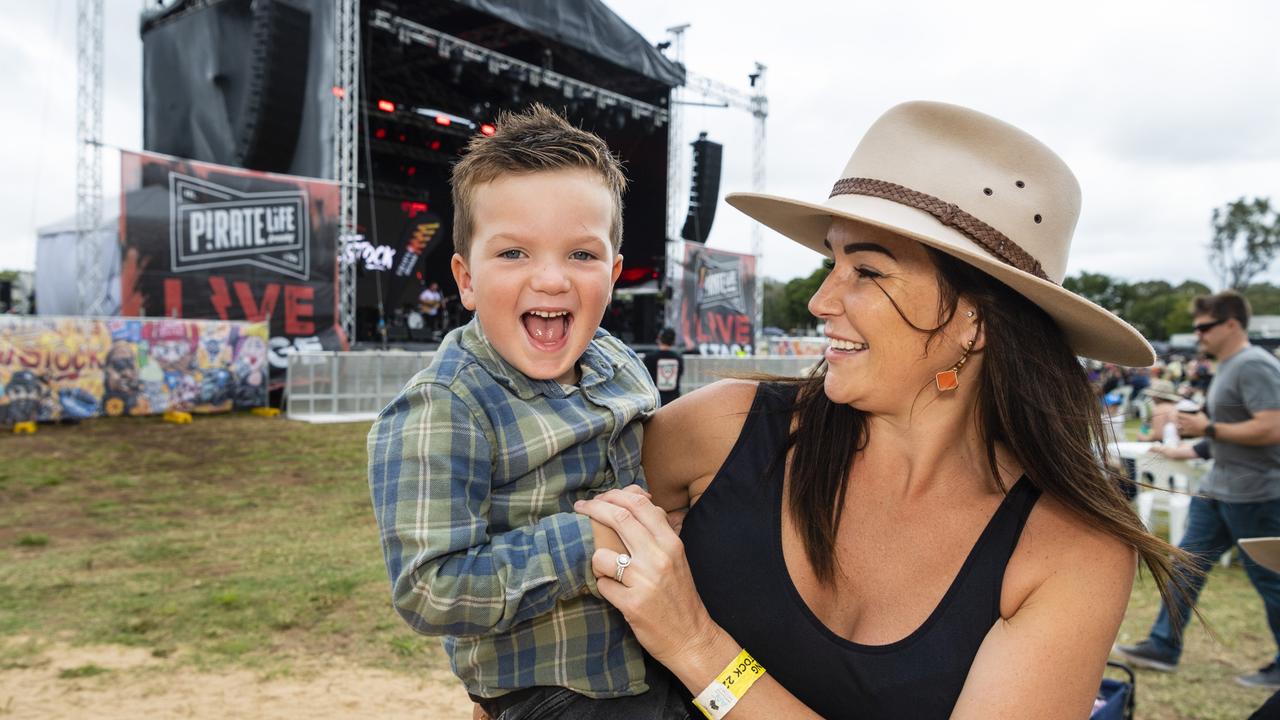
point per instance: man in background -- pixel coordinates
(1240, 498)
(666, 366)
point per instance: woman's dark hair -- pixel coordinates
(1039, 404)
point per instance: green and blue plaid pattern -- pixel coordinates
(474, 469)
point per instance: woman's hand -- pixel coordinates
(657, 595)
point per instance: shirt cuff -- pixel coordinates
(573, 561)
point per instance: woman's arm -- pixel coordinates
(1046, 659)
(658, 599)
(686, 442)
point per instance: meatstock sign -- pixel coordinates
(713, 299)
(213, 242)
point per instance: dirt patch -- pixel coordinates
(62, 682)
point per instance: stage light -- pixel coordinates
(435, 144)
(386, 106)
(412, 208)
(401, 137)
(411, 171)
(444, 121)
(380, 133)
(487, 129)
(637, 274)
(339, 92)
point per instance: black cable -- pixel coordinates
(373, 210)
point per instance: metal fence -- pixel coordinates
(355, 386)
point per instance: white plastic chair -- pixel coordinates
(1175, 481)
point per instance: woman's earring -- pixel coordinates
(949, 379)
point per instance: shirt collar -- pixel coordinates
(594, 364)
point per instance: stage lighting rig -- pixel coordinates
(514, 75)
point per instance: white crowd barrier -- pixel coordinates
(355, 386)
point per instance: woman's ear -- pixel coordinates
(972, 328)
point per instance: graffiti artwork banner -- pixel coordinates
(71, 368)
(211, 242)
(712, 303)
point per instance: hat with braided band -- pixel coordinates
(973, 187)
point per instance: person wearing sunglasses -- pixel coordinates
(1240, 498)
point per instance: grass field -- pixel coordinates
(240, 542)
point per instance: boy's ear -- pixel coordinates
(462, 276)
(617, 269)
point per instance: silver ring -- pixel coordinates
(624, 561)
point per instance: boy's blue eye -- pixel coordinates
(582, 255)
(510, 254)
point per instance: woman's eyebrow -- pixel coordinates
(852, 248)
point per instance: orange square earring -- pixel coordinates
(949, 379)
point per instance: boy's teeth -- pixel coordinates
(548, 314)
(847, 344)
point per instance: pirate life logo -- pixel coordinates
(212, 226)
(719, 285)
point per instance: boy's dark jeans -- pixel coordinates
(665, 700)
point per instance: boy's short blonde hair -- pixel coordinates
(537, 139)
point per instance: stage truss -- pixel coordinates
(91, 275)
(346, 78)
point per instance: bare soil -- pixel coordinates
(106, 681)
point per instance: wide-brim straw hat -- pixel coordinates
(973, 187)
(1264, 550)
(1163, 390)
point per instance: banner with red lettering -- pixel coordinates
(712, 304)
(208, 241)
(73, 368)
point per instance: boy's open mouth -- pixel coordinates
(547, 328)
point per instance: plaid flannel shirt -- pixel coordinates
(474, 469)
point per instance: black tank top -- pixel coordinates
(733, 538)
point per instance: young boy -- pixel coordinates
(475, 467)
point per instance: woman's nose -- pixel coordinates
(823, 303)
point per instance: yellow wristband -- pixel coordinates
(729, 686)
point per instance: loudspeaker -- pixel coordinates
(267, 133)
(704, 192)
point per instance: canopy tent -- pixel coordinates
(58, 266)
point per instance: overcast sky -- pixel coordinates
(1164, 110)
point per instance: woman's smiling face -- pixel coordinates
(876, 361)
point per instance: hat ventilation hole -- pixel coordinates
(1020, 184)
(987, 191)
(1038, 219)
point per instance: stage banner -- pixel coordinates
(213, 242)
(73, 368)
(712, 298)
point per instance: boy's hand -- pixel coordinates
(478, 713)
(605, 535)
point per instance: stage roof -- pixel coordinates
(590, 26)
(587, 25)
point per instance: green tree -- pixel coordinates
(796, 298)
(1111, 293)
(774, 293)
(1178, 320)
(1246, 235)
(1264, 298)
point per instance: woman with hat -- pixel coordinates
(1163, 397)
(921, 528)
